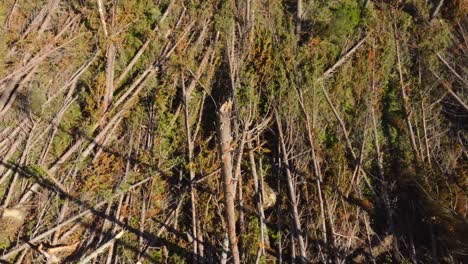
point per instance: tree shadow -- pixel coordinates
(153, 240)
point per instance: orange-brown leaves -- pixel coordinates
(103, 173)
(371, 57)
(314, 42)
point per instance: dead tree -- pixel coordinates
(380, 164)
(93, 210)
(299, 14)
(225, 149)
(318, 176)
(297, 230)
(405, 99)
(110, 58)
(190, 146)
(436, 10)
(258, 198)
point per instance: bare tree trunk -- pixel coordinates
(142, 49)
(92, 210)
(110, 57)
(299, 13)
(258, 199)
(452, 69)
(10, 15)
(293, 246)
(426, 140)
(118, 216)
(405, 98)
(4, 161)
(17, 168)
(109, 76)
(278, 208)
(225, 148)
(63, 211)
(42, 19)
(315, 165)
(102, 16)
(341, 61)
(450, 91)
(102, 248)
(436, 9)
(266, 239)
(237, 172)
(241, 217)
(225, 247)
(201, 248)
(366, 223)
(375, 251)
(384, 183)
(292, 193)
(193, 201)
(52, 7)
(141, 239)
(55, 127)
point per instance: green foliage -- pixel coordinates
(72, 117)
(37, 171)
(335, 21)
(224, 18)
(251, 238)
(90, 96)
(434, 39)
(36, 99)
(4, 245)
(101, 178)
(61, 142)
(345, 17)
(177, 259)
(276, 237)
(257, 76)
(169, 141)
(72, 121)
(276, 65)
(142, 15)
(392, 113)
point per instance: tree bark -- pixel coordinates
(380, 166)
(193, 200)
(258, 198)
(292, 193)
(102, 16)
(405, 98)
(109, 76)
(92, 210)
(299, 13)
(102, 248)
(225, 148)
(436, 9)
(318, 176)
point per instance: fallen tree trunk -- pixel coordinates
(385, 245)
(97, 207)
